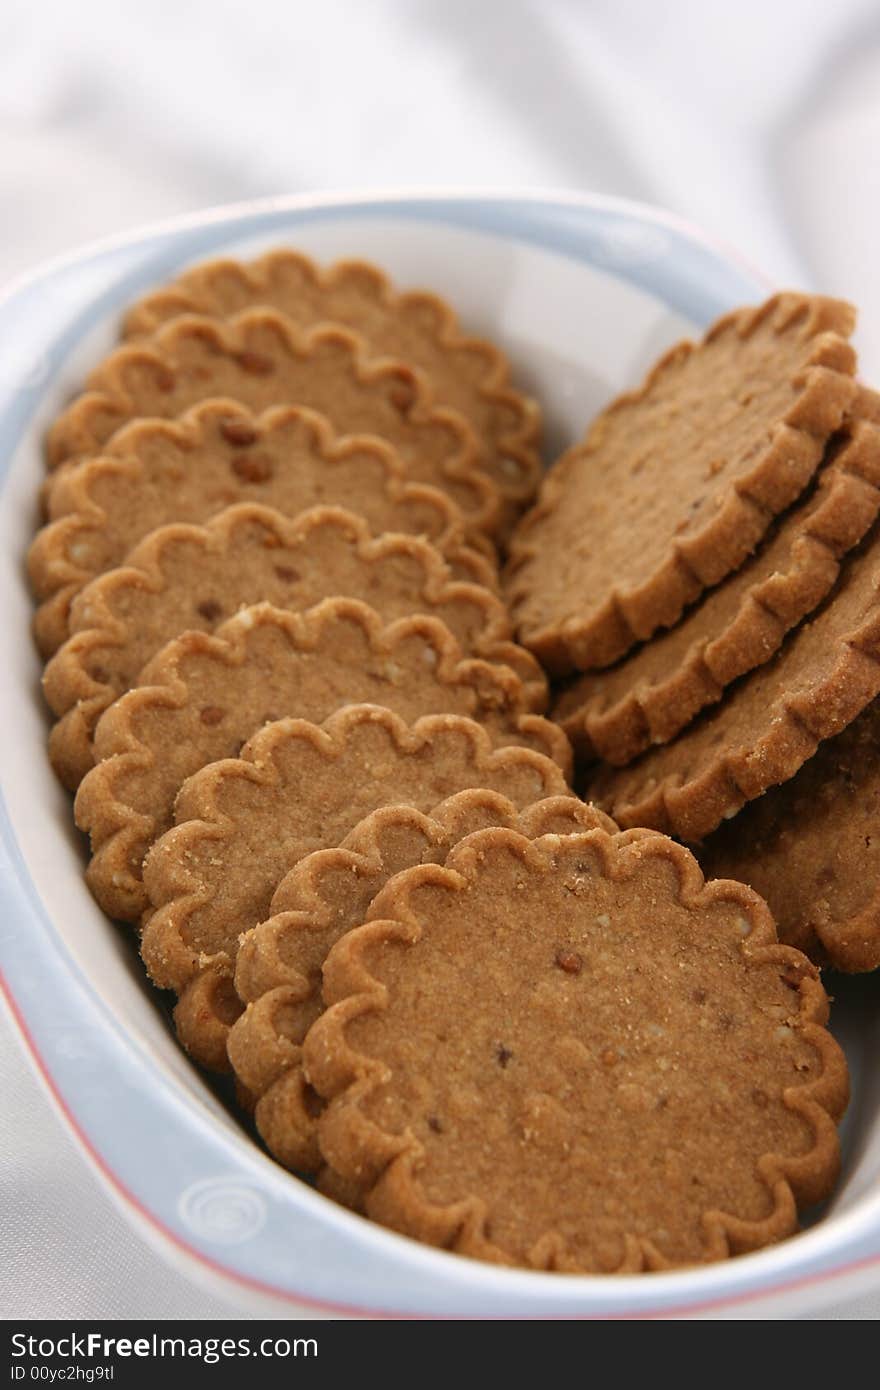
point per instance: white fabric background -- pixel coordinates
(759, 120)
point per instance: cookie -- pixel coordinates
(654, 694)
(676, 483)
(153, 472)
(825, 674)
(523, 1065)
(812, 848)
(344, 1194)
(261, 360)
(243, 823)
(194, 577)
(278, 969)
(469, 374)
(202, 697)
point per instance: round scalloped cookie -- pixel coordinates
(261, 360)
(154, 472)
(192, 577)
(812, 848)
(470, 374)
(202, 697)
(676, 483)
(523, 1065)
(243, 823)
(649, 697)
(771, 722)
(278, 968)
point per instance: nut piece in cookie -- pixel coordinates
(812, 848)
(470, 374)
(824, 675)
(574, 1054)
(261, 360)
(243, 823)
(204, 696)
(677, 482)
(278, 969)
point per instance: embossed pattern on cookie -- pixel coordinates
(278, 968)
(812, 848)
(824, 675)
(192, 577)
(202, 697)
(154, 472)
(243, 823)
(470, 374)
(524, 1066)
(677, 482)
(654, 694)
(261, 360)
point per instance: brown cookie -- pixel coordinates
(262, 360)
(469, 374)
(345, 1194)
(243, 823)
(203, 696)
(278, 969)
(812, 848)
(652, 695)
(825, 674)
(525, 1066)
(194, 577)
(677, 482)
(153, 472)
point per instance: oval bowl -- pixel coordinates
(583, 292)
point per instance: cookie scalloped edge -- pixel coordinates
(264, 1056)
(89, 421)
(693, 807)
(175, 894)
(386, 1166)
(192, 293)
(655, 713)
(56, 576)
(78, 698)
(850, 943)
(121, 834)
(782, 471)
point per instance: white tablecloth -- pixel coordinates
(759, 120)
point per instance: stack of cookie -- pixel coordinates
(721, 597)
(315, 768)
(280, 498)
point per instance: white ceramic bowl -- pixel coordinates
(583, 292)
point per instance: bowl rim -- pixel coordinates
(385, 196)
(752, 1277)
